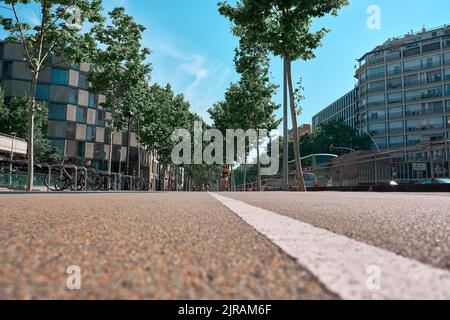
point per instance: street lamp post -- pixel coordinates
(120, 161)
(14, 135)
(129, 115)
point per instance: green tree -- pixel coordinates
(334, 133)
(14, 118)
(284, 28)
(165, 113)
(118, 66)
(54, 35)
(248, 103)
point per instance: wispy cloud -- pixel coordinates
(201, 80)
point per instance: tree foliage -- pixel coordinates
(334, 133)
(54, 35)
(14, 118)
(118, 68)
(283, 27)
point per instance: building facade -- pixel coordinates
(77, 124)
(344, 108)
(404, 89)
(301, 131)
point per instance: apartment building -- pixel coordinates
(404, 89)
(344, 108)
(77, 121)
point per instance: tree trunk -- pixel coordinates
(285, 129)
(233, 180)
(139, 148)
(298, 163)
(259, 187)
(111, 144)
(30, 143)
(245, 172)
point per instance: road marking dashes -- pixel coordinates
(345, 266)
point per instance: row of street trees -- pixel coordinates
(282, 28)
(248, 102)
(118, 69)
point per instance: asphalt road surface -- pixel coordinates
(200, 246)
(141, 246)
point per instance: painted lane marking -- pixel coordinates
(349, 268)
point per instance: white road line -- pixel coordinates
(347, 267)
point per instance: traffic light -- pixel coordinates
(225, 171)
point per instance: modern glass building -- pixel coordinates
(77, 122)
(344, 108)
(404, 89)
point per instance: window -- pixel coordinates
(91, 102)
(376, 86)
(376, 57)
(42, 92)
(393, 55)
(376, 100)
(100, 121)
(424, 108)
(81, 149)
(417, 64)
(60, 76)
(377, 114)
(397, 141)
(362, 77)
(412, 80)
(411, 52)
(413, 139)
(58, 144)
(448, 122)
(447, 89)
(56, 111)
(83, 82)
(447, 58)
(81, 115)
(2, 50)
(99, 151)
(107, 136)
(73, 96)
(395, 68)
(395, 112)
(431, 47)
(447, 74)
(56, 129)
(376, 72)
(430, 77)
(71, 131)
(90, 134)
(7, 70)
(394, 83)
(395, 126)
(425, 124)
(423, 94)
(395, 97)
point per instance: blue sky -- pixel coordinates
(193, 48)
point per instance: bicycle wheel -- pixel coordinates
(55, 181)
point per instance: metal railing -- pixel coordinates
(404, 165)
(74, 178)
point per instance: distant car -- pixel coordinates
(311, 180)
(434, 181)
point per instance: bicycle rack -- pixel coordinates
(83, 169)
(117, 181)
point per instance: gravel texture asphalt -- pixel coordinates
(143, 246)
(412, 225)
